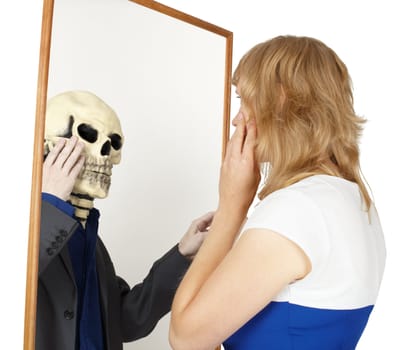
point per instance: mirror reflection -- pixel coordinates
(167, 82)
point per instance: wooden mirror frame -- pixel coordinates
(42, 88)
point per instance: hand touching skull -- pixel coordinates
(83, 114)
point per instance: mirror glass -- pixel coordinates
(167, 76)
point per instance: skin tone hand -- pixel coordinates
(193, 238)
(62, 166)
(240, 173)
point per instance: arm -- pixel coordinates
(225, 287)
(142, 306)
(146, 303)
(56, 227)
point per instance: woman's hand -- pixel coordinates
(62, 166)
(240, 175)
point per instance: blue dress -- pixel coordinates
(285, 326)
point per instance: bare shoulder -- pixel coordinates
(282, 256)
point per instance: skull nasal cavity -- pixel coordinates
(105, 148)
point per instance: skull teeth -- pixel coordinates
(97, 171)
(99, 167)
(96, 178)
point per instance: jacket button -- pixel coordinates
(63, 233)
(68, 314)
(50, 251)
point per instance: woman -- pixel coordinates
(306, 269)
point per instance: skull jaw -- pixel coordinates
(95, 185)
(89, 185)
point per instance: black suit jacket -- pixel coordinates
(127, 313)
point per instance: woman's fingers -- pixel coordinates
(242, 142)
(236, 142)
(250, 140)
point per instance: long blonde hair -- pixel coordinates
(300, 94)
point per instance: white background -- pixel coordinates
(372, 38)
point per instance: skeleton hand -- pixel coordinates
(62, 166)
(193, 238)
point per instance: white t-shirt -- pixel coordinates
(324, 215)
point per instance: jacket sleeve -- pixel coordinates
(142, 306)
(56, 227)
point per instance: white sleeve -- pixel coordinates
(294, 215)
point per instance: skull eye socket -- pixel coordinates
(116, 141)
(87, 133)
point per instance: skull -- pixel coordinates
(85, 115)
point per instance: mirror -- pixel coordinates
(167, 75)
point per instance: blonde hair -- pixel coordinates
(300, 94)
